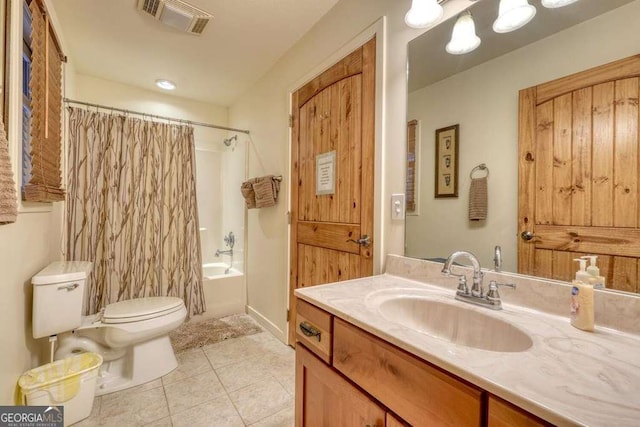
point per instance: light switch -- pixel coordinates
(397, 206)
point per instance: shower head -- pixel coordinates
(230, 141)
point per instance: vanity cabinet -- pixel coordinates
(325, 398)
(345, 376)
(504, 414)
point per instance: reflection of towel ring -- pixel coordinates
(480, 167)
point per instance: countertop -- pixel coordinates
(567, 377)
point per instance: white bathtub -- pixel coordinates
(217, 270)
(224, 294)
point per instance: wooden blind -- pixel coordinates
(45, 182)
(411, 166)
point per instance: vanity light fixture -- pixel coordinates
(423, 13)
(165, 84)
(513, 14)
(463, 36)
(552, 4)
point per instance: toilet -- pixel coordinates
(131, 336)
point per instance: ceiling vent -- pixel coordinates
(177, 14)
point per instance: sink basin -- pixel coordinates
(454, 323)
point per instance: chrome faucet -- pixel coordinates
(476, 295)
(497, 258)
(229, 240)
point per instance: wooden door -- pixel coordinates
(578, 174)
(333, 123)
(325, 399)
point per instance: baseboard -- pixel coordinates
(267, 324)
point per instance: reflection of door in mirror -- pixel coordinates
(578, 177)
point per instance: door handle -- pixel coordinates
(527, 235)
(363, 241)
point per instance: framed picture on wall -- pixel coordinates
(447, 161)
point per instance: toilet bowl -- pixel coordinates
(131, 336)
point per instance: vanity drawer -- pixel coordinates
(416, 391)
(313, 329)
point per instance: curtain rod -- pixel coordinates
(104, 107)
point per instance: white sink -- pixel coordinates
(453, 322)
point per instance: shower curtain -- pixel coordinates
(131, 209)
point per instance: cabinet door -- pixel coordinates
(324, 398)
(504, 414)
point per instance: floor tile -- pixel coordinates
(244, 373)
(165, 422)
(232, 351)
(192, 391)
(218, 412)
(190, 363)
(261, 400)
(284, 418)
(131, 409)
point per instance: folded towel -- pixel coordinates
(260, 192)
(478, 199)
(8, 200)
(248, 194)
(266, 189)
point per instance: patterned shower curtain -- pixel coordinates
(131, 209)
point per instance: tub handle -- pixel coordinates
(310, 331)
(69, 288)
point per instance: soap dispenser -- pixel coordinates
(582, 316)
(596, 279)
(582, 275)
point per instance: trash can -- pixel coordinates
(69, 382)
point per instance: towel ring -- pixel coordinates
(480, 167)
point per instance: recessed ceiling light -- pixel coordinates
(165, 84)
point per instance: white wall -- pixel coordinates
(264, 110)
(484, 101)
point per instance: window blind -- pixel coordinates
(411, 166)
(45, 83)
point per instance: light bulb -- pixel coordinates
(552, 4)
(463, 36)
(165, 84)
(513, 14)
(423, 13)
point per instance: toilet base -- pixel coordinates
(140, 364)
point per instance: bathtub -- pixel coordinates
(224, 294)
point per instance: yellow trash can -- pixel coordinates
(69, 382)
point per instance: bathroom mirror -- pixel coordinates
(478, 92)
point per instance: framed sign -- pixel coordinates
(447, 162)
(326, 173)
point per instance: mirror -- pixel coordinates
(479, 92)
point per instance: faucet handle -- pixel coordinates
(493, 294)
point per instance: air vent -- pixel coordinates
(177, 14)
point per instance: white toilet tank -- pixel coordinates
(58, 294)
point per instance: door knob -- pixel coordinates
(527, 235)
(363, 241)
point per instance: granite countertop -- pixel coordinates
(567, 377)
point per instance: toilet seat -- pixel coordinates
(139, 309)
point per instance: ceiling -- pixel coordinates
(429, 62)
(112, 40)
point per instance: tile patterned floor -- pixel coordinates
(246, 381)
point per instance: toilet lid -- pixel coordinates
(134, 310)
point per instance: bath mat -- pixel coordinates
(198, 334)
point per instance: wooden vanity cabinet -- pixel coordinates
(347, 377)
(504, 414)
(325, 399)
